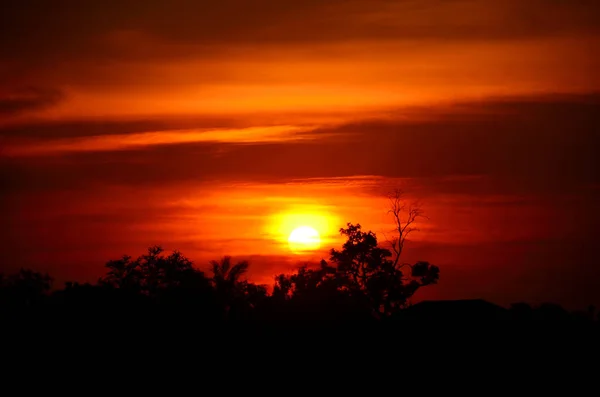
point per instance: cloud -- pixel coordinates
(153, 58)
(28, 99)
(524, 144)
(82, 29)
(35, 130)
(80, 128)
(114, 142)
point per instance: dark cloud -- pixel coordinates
(546, 144)
(36, 29)
(39, 131)
(28, 99)
(84, 128)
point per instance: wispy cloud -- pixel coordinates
(28, 99)
(139, 140)
(544, 144)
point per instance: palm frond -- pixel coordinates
(237, 271)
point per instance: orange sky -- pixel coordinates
(215, 128)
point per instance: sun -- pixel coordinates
(304, 238)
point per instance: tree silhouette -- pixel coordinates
(152, 273)
(235, 295)
(24, 288)
(366, 268)
(405, 216)
(226, 274)
(226, 277)
(306, 282)
(318, 297)
(359, 280)
(364, 271)
(361, 272)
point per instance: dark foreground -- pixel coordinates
(446, 346)
(474, 325)
(351, 312)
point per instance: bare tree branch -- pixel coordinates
(405, 216)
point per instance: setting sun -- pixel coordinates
(304, 238)
(306, 229)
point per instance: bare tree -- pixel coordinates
(405, 215)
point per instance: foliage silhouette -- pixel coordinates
(361, 272)
(236, 296)
(25, 288)
(366, 268)
(152, 273)
(362, 286)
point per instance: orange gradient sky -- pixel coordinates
(217, 127)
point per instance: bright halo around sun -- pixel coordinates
(304, 238)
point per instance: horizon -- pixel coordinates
(220, 128)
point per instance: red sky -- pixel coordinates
(217, 127)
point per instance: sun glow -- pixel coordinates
(303, 232)
(304, 238)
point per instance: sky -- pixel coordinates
(216, 128)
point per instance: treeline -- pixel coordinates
(360, 282)
(361, 285)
